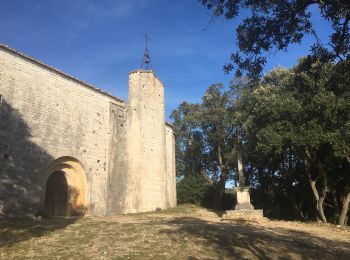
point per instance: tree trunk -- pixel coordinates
(324, 190)
(206, 178)
(219, 187)
(335, 216)
(319, 200)
(219, 190)
(240, 168)
(319, 197)
(344, 210)
(321, 209)
(297, 205)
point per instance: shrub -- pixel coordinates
(194, 190)
(191, 189)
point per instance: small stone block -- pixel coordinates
(244, 206)
(256, 214)
(243, 200)
(243, 196)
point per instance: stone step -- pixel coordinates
(246, 214)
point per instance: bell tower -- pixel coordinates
(146, 140)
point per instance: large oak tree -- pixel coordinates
(273, 25)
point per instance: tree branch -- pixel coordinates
(206, 177)
(230, 158)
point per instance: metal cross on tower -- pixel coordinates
(146, 60)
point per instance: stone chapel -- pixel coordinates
(68, 148)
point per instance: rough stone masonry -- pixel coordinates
(68, 148)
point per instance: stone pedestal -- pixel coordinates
(243, 200)
(244, 214)
(244, 209)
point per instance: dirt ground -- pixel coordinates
(185, 232)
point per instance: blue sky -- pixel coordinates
(100, 41)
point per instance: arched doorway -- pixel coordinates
(65, 188)
(56, 195)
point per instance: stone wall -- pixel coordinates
(117, 157)
(170, 167)
(120, 157)
(46, 115)
(146, 143)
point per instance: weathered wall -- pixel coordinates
(146, 143)
(170, 167)
(117, 178)
(46, 115)
(117, 157)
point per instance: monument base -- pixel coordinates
(244, 209)
(244, 206)
(243, 199)
(255, 214)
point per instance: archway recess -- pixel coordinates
(56, 195)
(77, 185)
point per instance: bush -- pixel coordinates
(194, 190)
(191, 189)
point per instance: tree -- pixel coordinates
(297, 115)
(207, 139)
(189, 140)
(293, 130)
(273, 25)
(219, 133)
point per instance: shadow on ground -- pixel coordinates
(13, 231)
(245, 239)
(169, 235)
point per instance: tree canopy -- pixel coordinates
(207, 133)
(293, 128)
(272, 25)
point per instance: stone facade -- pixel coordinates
(115, 156)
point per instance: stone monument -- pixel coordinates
(243, 209)
(243, 199)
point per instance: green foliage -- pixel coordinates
(191, 190)
(298, 108)
(195, 190)
(271, 25)
(189, 145)
(293, 127)
(207, 135)
(293, 119)
(293, 124)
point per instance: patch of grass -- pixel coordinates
(183, 209)
(184, 232)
